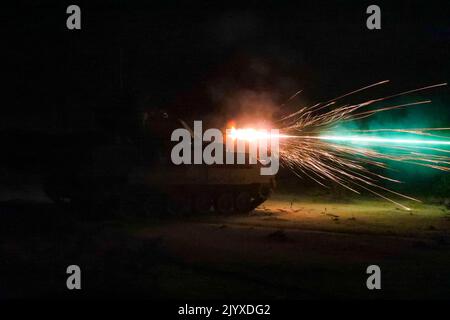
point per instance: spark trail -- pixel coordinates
(312, 146)
(362, 139)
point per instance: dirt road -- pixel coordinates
(289, 248)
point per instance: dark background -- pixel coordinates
(192, 58)
(213, 60)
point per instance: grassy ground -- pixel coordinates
(313, 248)
(367, 216)
(289, 248)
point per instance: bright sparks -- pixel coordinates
(315, 147)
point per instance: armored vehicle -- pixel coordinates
(139, 176)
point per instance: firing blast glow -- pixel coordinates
(250, 134)
(311, 144)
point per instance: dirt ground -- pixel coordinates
(289, 248)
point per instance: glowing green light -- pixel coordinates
(363, 139)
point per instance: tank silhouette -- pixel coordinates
(138, 176)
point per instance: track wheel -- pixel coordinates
(225, 203)
(265, 191)
(243, 202)
(202, 203)
(178, 206)
(185, 205)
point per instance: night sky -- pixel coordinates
(190, 57)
